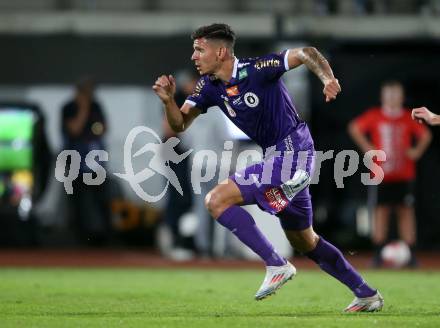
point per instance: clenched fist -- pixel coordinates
(165, 88)
(331, 89)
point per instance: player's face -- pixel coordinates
(205, 56)
(392, 96)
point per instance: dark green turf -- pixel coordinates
(195, 298)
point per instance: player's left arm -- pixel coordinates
(316, 62)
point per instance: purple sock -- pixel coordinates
(331, 260)
(243, 226)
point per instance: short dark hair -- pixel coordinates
(85, 83)
(392, 83)
(217, 31)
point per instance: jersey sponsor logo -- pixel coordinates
(233, 91)
(199, 86)
(267, 63)
(231, 112)
(276, 199)
(251, 99)
(242, 74)
(241, 65)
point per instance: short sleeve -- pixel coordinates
(365, 121)
(200, 97)
(272, 66)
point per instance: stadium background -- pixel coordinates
(48, 44)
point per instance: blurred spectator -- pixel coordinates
(209, 239)
(83, 129)
(209, 132)
(177, 205)
(391, 129)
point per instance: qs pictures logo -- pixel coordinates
(162, 154)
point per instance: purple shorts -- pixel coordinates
(279, 185)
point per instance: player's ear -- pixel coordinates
(221, 52)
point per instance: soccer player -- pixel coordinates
(391, 129)
(423, 114)
(251, 94)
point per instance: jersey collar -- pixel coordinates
(213, 78)
(234, 71)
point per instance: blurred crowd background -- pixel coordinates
(58, 56)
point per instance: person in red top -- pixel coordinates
(390, 128)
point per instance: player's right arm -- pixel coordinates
(179, 119)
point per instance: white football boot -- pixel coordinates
(366, 304)
(276, 276)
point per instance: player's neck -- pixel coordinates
(392, 111)
(225, 71)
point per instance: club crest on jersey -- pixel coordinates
(251, 99)
(231, 112)
(232, 91)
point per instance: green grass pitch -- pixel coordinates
(210, 298)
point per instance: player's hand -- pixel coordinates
(422, 114)
(331, 89)
(165, 87)
(83, 102)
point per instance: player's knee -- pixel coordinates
(306, 245)
(214, 203)
(304, 242)
(312, 241)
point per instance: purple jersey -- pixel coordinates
(256, 101)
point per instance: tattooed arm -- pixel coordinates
(316, 62)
